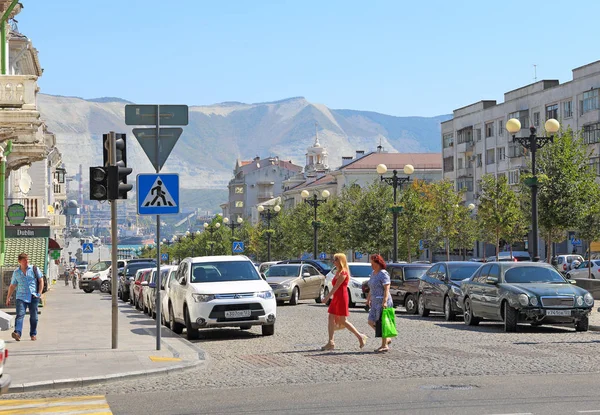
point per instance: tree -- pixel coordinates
(468, 230)
(412, 219)
(441, 207)
(588, 227)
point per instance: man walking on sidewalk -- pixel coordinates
(29, 284)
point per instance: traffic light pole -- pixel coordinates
(158, 287)
(114, 245)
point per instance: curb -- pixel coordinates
(86, 381)
(594, 328)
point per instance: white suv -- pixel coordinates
(220, 291)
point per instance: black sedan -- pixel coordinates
(531, 292)
(439, 287)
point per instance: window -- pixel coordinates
(515, 150)
(460, 163)
(591, 133)
(239, 189)
(500, 154)
(501, 127)
(552, 111)
(448, 140)
(489, 129)
(478, 134)
(513, 177)
(567, 109)
(595, 165)
(536, 120)
(501, 175)
(465, 135)
(490, 156)
(239, 203)
(479, 164)
(522, 116)
(465, 183)
(449, 164)
(589, 101)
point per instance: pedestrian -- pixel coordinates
(379, 298)
(338, 308)
(29, 284)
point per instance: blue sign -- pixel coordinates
(358, 255)
(322, 255)
(73, 259)
(305, 256)
(237, 247)
(87, 248)
(421, 244)
(575, 242)
(164, 257)
(158, 194)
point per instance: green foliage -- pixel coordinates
(442, 203)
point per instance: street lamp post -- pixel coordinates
(211, 229)
(314, 201)
(232, 226)
(395, 181)
(192, 236)
(532, 143)
(270, 212)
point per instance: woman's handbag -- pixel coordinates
(388, 323)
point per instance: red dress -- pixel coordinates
(339, 302)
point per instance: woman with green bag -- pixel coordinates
(378, 300)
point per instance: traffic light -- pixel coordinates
(118, 186)
(99, 183)
(105, 147)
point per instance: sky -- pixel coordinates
(419, 58)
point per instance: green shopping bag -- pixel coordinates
(388, 323)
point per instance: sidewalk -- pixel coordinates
(73, 346)
(595, 317)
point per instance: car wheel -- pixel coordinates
(510, 318)
(268, 330)
(163, 320)
(104, 287)
(410, 304)
(583, 324)
(246, 327)
(319, 299)
(295, 296)
(470, 319)
(351, 304)
(174, 326)
(192, 333)
(448, 313)
(423, 312)
(325, 293)
(88, 290)
(119, 296)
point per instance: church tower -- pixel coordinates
(316, 158)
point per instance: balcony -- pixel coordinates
(265, 195)
(465, 172)
(58, 221)
(60, 191)
(35, 209)
(18, 91)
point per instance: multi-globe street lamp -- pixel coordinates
(269, 212)
(314, 201)
(395, 181)
(211, 229)
(532, 143)
(192, 236)
(232, 226)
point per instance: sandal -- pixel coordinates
(382, 350)
(328, 346)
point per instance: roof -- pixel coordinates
(396, 161)
(219, 258)
(35, 248)
(327, 179)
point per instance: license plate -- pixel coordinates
(558, 312)
(237, 314)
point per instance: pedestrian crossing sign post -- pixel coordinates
(164, 257)
(158, 194)
(87, 248)
(238, 247)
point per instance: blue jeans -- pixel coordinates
(33, 316)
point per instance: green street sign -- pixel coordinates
(55, 254)
(395, 209)
(146, 114)
(166, 141)
(531, 181)
(16, 214)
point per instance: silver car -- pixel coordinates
(295, 282)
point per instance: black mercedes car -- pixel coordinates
(128, 274)
(528, 292)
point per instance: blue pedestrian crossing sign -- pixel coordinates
(322, 255)
(358, 255)
(164, 257)
(158, 194)
(238, 247)
(87, 248)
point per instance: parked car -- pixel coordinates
(295, 282)
(140, 282)
(439, 287)
(360, 272)
(323, 266)
(92, 279)
(168, 274)
(584, 271)
(563, 263)
(264, 266)
(220, 291)
(149, 293)
(533, 292)
(5, 379)
(506, 256)
(128, 275)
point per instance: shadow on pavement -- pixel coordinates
(224, 334)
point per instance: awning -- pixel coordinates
(35, 248)
(53, 245)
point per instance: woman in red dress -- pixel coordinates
(338, 308)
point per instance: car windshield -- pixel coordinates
(413, 273)
(284, 271)
(101, 266)
(532, 274)
(131, 269)
(224, 271)
(326, 265)
(360, 271)
(460, 272)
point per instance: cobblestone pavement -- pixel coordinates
(426, 347)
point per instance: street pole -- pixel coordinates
(395, 218)
(114, 242)
(157, 283)
(534, 206)
(315, 226)
(269, 235)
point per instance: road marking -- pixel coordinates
(164, 359)
(89, 405)
(518, 413)
(591, 411)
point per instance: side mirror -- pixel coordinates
(144, 283)
(130, 278)
(491, 280)
(306, 274)
(572, 282)
(152, 285)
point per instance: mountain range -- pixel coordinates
(218, 134)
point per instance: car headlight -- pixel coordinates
(533, 301)
(456, 290)
(285, 285)
(579, 301)
(203, 298)
(264, 294)
(356, 284)
(589, 300)
(523, 300)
